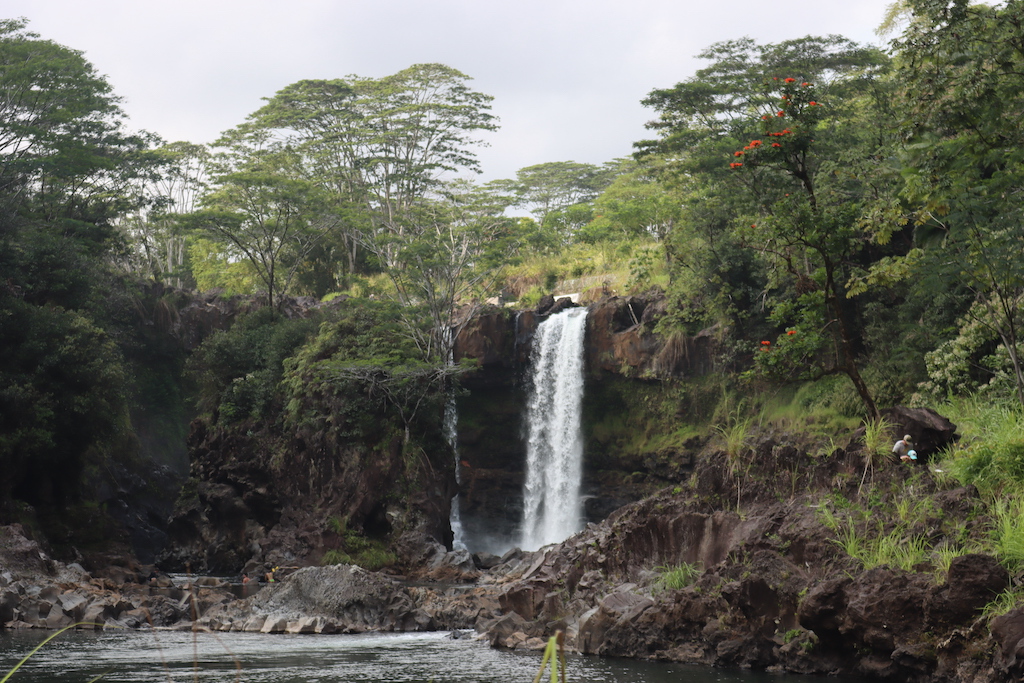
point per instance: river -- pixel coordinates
(177, 656)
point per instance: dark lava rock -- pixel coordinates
(930, 431)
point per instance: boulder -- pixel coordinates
(972, 582)
(929, 431)
(618, 609)
(1008, 632)
(353, 598)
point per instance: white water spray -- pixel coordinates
(451, 435)
(554, 452)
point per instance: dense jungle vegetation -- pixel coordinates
(846, 219)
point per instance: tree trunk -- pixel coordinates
(845, 345)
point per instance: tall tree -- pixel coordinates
(68, 171)
(380, 145)
(63, 151)
(262, 210)
(773, 134)
(962, 70)
(449, 249)
(156, 228)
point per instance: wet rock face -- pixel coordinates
(1008, 631)
(774, 589)
(973, 581)
(619, 339)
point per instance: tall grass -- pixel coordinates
(554, 656)
(990, 454)
(876, 435)
(894, 549)
(568, 269)
(736, 439)
(40, 646)
(678, 576)
(1008, 532)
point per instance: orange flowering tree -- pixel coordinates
(777, 148)
(810, 198)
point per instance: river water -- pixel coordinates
(181, 657)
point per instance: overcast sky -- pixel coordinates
(567, 75)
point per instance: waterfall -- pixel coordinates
(554, 452)
(451, 435)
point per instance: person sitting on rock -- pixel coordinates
(902, 448)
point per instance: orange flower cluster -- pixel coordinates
(735, 164)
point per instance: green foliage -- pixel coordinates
(213, 268)
(553, 189)
(335, 557)
(613, 266)
(962, 81)
(990, 454)
(63, 156)
(237, 371)
(625, 421)
(678, 576)
(736, 437)
(896, 548)
(1008, 532)
(1009, 599)
(876, 442)
(359, 550)
(361, 377)
(62, 393)
(337, 524)
(554, 656)
(770, 145)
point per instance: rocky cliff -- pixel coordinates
(769, 583)
(625, 360)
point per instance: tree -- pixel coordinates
(448, 250)
(636, 204)
(961, 68)
(263, 212)
(756, 131)
(156, 229)
(378, 146)
(556, 185)
(68, 171)
(63, 152)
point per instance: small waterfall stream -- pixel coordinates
(554, 456)
(451, 435)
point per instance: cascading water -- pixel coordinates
(554, 451)
(451, 435)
